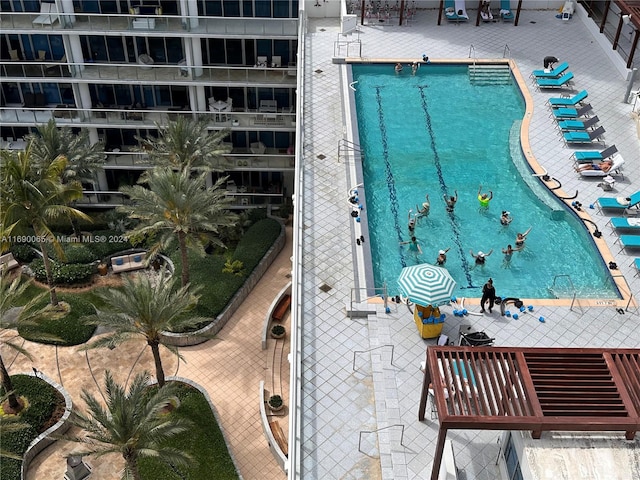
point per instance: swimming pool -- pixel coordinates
(435, 133)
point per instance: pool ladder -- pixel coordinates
(572, 289)
(349, 151)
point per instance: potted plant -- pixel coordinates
(277, 331)
(275, 403)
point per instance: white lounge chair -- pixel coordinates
(616, 163)
(48, 14)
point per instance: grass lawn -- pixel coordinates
(46, 406)
(203, 441)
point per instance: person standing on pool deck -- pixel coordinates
(488, 293)
(484, 198)
(451, 201)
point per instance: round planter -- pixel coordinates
(277, 335)
(102, 269)
(276, 409)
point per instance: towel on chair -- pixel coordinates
(634, 222)
(623, 201)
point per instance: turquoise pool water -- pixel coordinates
(435, 133)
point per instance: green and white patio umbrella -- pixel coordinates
(426, 284)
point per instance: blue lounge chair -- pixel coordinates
(619, 203)
(556, 102)
(591, 155)
(562, 113)
(505, 11)
(636, 262)
(455, 10)
(555, 82)
(577, 125)
(584, 137)
(629, 241)
(625, 223)
(553, 73)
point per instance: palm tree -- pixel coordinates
(30, 197)
(177, 206)
(132, 424)
(140, 308)
(186, 144)
(84, 160)
(10, 294)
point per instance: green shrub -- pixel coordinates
(63, 273)
(234, 267)
(76, 253)
(23, 252)
(71, 329)
(203, 441)
(256, 242)
(43, 401)
(107, 242)
(256, 214)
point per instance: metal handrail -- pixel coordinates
(573, 288)
(348, 146)
(628, 289)
(370, 350)
(376, 291)
(504, 52)
(382, 428)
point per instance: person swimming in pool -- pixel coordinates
(414, 245)
(411, 219)
(508, 252)
(414, 68)
(424, 211)
(398, 67)
(505, 218)
(484, 198)
(481, 256)
(521, 237)
(451, 201)
(442, 257)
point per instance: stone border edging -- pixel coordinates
(267, 319)
(279, 455)
(195, 338)
(42, 441)
(202, 390)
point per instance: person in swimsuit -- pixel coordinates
(398, 67)
(505, 218)
(521, 237)
(414, 245)
(442, 257)
(414, 68)
(605, 166)
(411, 219)
(480, 257)
(508, 252)
(484, 198)
(488, 294)
(424, 211)
(451, 201)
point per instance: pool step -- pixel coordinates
(489, 74)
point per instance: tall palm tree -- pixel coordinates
(31, 197)
(178, 207)
(141, 309)
(11, 292)
(186, 144)
(132, 424)
(84, 160)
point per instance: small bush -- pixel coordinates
(235, 267)
(23, 252)
(76, 253)
(256, 242)
(63, 274)
(69, 330)
(275, 401)
(254, 215)
(43, 401)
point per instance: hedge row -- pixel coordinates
(63, 274)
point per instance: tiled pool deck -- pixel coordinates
(338, 401)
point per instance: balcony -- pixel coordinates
(152, 25)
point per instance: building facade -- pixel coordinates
(121, 69)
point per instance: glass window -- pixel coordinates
(11, 93)
(234, 52)
(174, 50)
(263, 9)
(247, 8)
(116, 49)
(212, 8)
(157, 49)
(231, 8)
(250, 52)
(52, 93)
(109, 6)
(263, 47)
(511, 460)
(281, 9)
(163, 95)
(123, 95)
(214, 49)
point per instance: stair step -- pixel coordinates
(489, 74)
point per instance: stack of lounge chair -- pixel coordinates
(455, 11)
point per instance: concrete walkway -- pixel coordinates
(230, 368)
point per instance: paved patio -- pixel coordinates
(338, 401)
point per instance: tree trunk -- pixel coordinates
(132, 463)
(7, 384)
(76, 228)
(47, 269)
(183, 256)
(155, 349)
